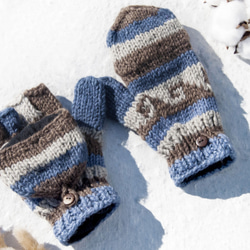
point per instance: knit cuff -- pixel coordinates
(36, 103)
(79, 220)
(216, 155)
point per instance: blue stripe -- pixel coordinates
(138, 27)
(75, 216)
(163, 73)
(76, 155)
(160, 129)
(218, 149)
(10, 120)
(95, 160)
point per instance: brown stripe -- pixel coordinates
(42, 99)
(192, 93)
(35, 144)
(142, 61)
(56, 214)
(52, 188)
(94, 147)
(131, 14)
(189, 144)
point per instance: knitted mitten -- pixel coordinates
(45, 163)
(167, 98)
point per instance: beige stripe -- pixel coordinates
(178, 131)
(131, 14)
(191, 76)
(27, 110)
(121, 50)
(13, 173)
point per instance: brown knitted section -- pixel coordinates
(142, 61)
(42, 99)
(52, 188)
(192, 94)
(35, 144)
(189, 143)
(94, 147)
(92, 183)
(131, 14)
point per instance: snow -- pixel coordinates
(244, 48)
(57, 42)
(213, 3)
(225, 18)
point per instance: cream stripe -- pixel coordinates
(190, 76)
(27, 110)
(176, 133)
(13, 173)
(121, 50)
(97, 171)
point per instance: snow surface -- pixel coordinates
(225, 18)
(59, 41)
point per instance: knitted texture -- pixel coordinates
(88, 110)
(45, 163)
(35, 103)
(167, 98)
(10, 124)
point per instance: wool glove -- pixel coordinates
(167, 98)
(45, 162)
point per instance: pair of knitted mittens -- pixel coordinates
(54, 161)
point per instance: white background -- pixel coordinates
(57, 42)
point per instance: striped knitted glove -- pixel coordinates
(167, 98)
(45, 163)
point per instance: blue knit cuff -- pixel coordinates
(216, 155)
(81, 219)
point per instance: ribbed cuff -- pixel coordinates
(216, 155)
(79, 220)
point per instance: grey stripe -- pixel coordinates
(96, 171)
(13, 173)
(176, 133)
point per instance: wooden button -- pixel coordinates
(201, 141)
(68, 199)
